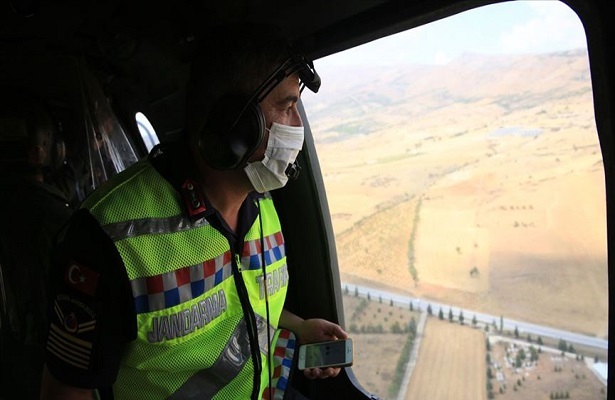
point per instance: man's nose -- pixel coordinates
(296, 118)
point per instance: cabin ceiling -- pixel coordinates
(317, 23)
(141, 49)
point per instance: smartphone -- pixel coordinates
(336, 353)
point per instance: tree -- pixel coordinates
(411, 306)
(356, 292)
(440, 314)
(369, 297)
(346, 289)
(412, 326)
(519, 358)
(429, 309)
(501, 323)
(396, 328)
(474, 320)
(539, 341)
(461, 318)
(516, 332)
(450, 315)
(533, 354)
(391, 303)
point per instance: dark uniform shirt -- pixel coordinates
(31, 214)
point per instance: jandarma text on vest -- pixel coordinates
(188, 320)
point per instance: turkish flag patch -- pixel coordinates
(81, 278)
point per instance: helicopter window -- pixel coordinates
(109, 149)
(148, 133)
(466, 187)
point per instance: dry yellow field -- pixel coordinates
(527, 212)
(451, 363)
(531, 254)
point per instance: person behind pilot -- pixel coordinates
(32, 211)
(197, 240)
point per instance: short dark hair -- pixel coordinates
(232, 59)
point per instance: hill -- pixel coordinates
(487, 163)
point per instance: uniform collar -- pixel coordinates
(171, 162)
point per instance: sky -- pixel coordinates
(517, 27)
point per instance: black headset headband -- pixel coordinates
(295, 64)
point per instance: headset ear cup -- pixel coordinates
(227, 140)
(250, 129)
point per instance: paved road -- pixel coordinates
(509, 324)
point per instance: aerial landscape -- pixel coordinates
(478, 184)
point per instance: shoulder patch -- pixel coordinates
(71, 333)
(81, 278)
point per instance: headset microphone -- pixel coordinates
(293, 170)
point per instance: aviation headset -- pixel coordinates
(228, 139)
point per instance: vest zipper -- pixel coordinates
(250, 320)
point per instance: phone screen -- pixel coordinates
(325, 354)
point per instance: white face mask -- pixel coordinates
(282, 149)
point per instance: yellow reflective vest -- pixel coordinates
(201, 305)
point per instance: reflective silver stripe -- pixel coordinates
(263, 340)
(206, 383)
(137, 227)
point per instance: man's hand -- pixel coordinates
(311, 331)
